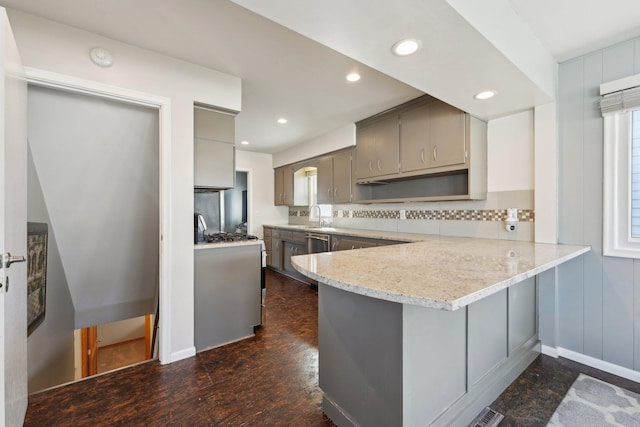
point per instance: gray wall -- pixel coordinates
(598, 297)
(98, 165)
(50, 347)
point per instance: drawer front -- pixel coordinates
(267, 232)
(299, 237)
(286, 235)
(275, 233)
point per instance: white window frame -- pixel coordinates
(620, 98)
(617, 240)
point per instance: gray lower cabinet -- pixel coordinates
(292, 249)
(281, 245)
(227, 303)
(342, 243)
(276, 253)
(339, 243)
(383, 363)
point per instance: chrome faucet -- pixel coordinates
(319, 214)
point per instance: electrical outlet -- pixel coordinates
(340, 213)
(403, 214)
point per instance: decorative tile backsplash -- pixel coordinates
(525, 215)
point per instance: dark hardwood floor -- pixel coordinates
(270, 379)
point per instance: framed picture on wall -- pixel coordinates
(37, 242)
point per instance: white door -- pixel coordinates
(13, 230)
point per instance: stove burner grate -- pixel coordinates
(228, 237)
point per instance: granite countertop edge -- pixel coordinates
(395, 295)
(354, 232)
(200, 246)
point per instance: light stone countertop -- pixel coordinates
(445, 273)
(354, 232)
(201, 246)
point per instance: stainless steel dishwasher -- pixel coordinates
(317, 243)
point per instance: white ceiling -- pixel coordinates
(286, 73)
(570, 28)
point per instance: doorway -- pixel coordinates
(115, 345)
(104, 238)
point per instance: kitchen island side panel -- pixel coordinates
(434, 362)
(360, 358)
(441, 367)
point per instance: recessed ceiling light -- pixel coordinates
(244, 142)
(282, 120)
(406, 47)
(353, 77)
(485, 94)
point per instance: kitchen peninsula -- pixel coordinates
(426, 333)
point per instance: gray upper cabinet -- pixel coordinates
(334, 178)
(432, 136)
(441, 151)
(283, 186)
(214, 150)
(325, 179)
(377, 148)
(342, 176)
(446, 135)
(415, 146)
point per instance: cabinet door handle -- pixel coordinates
(370, 165)
(379, 164)
(335, 192)
(435, 153)
(329, 191)
(353, 247)
(422, 155)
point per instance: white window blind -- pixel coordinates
(623, 100)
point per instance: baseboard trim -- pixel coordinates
(609, 367)
(549, 351)
(182, 354)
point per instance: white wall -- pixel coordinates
(342, 137)
(510, 153)
(61, 49)
(260, 187)
(120, 331)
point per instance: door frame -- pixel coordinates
(63, 82)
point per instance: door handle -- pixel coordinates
(8, 259)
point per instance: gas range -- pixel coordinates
(227, 237)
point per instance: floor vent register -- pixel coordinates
(487, 418)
